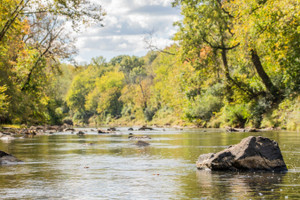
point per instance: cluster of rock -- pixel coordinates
(251, 154)
(132, 137)
(36, 130)
(109, 130)
(47, 129)
(231, 129)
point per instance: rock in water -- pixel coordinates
(6, 159)
(141, 143)
(80, 133)
(251, 154)
(144, 128)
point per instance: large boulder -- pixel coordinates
(6, 159)
(251, 154)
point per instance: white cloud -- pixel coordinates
(125, 26)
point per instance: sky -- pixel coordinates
(126, 25)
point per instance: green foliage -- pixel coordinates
(203, 109)
(285, 116)
(3, 102)
(109, 88)
(33, 39)
(236, 115)
(236, 63)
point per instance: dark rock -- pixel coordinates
(112, 129)
(40, 128)
(141, 143)
(231, 130)
(6, 159)
(143, 128)
(130, 129)
(167, 124)
(102, 131)
(80, 133)
(251, 154)
(51, 132)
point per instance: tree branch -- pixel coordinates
(9, 22)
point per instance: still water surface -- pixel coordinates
(66, 166)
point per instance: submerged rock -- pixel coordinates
(251, 154)
(6, 159)
(141, 143)
(138, 137)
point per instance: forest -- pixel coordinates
(233, 63)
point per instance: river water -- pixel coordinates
(67, 166)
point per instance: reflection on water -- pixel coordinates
(234, 184)
(66, 166)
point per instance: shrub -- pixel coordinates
(203, 109)
(236, 115)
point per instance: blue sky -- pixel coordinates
(126, 25)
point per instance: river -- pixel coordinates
(67, 166)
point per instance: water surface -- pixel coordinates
(67, 166)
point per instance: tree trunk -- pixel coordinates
(229, 79)
(272, 89)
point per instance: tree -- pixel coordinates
(34, 38)
(257, 43)
(3, 103)
(78, 12)
(205, 36)
(273, 43)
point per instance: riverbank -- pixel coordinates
(284, 116)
